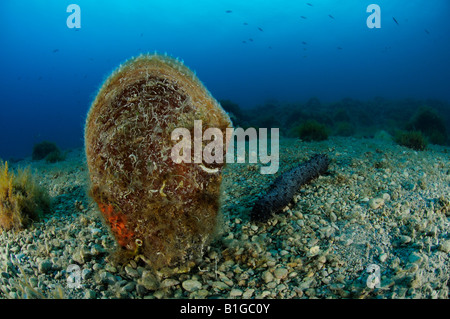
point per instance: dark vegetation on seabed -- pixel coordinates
(48, 151)
(406, 119)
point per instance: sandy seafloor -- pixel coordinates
(382, 206)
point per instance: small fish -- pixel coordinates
(331, 16)
(142, 35)
(244, 41)
(309, 4)
(303, 17)
(56, 50)
(426, 31)
(395, 20)
(228, 11)
(270, 47)
(245, 23)
(40, 78)
(304, 43)
(260, 29)
(251, 40)
(339, 48)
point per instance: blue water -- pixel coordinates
(50, 73)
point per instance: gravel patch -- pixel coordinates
(376, 226)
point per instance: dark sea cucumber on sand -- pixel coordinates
(283, 189)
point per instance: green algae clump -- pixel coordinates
(411, 139)
(164, 211)
(312, 130)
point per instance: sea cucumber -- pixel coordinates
(283, 189)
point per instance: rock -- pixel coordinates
(133, 273)
(96, 232)
(191, 285)
(107, 278)
(34, 282)
(267, 276)
(415, 258)
(235, 293)
(140, 290)
(90, 294)
(45, 266)
(445, 246)
(149, 280)
(376, 203)
(129, 287)
(248, 293)
(110, 268)
(86, 273)
(96, 250)
(383, 257)
(313, 251)
(169, 282)
(81, 256)
(280, 273)
(220, 285)
(404, 239)
(333, 217)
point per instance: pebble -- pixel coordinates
(110, 268)
(236, 292)
(191, 285)
(96, 232)
(248, 293)
(86, 273)
(280, 273)
(129, 287)
(107, 278)
(445, 246)
(133, 273)
(220, 285)
(267, 276)
(53, 244)
(149, 280)
(376, 203)
(169, 282)
(90, 294)
(313, 251)
(45, 266)
(404, 239)
(415, 258)
(333, 217)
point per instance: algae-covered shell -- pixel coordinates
(169, 209)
